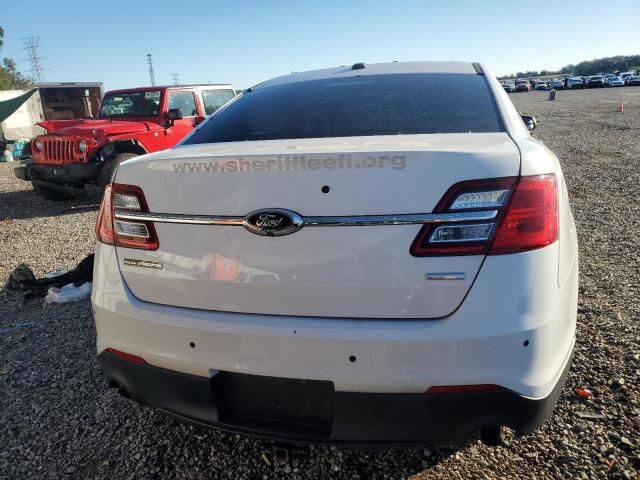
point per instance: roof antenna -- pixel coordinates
(357, 66)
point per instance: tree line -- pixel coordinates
(10, 77)
(619, 63)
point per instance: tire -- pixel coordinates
(50, 193)
(104, 177)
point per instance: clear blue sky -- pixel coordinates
(248, 41)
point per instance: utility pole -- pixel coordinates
(151, 74)
(31, 45)
(176, 78)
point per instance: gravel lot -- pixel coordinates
(58, 419)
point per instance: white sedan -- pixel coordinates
(615, 82)
(374, 254)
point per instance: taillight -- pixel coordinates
(130, 234)
(526, 218)
(531, 221)
(104, 224)
(467, 238)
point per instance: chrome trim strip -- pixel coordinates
(179, 218)
(325, 221)
(406, 219)
(446, 276)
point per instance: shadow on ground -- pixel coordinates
(24, 204)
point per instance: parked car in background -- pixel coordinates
(625, 75)
(557, 84)
(633, 80)
(444, 307)
(522, 86)
(595, 81)
(74, 153)
(509, 87)
(615, 82)
(575, 82)
(541, 86)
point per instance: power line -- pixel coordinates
(152, 75)
(176, 78)
(31, 45)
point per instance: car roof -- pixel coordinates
(173, 87)
(362, 69)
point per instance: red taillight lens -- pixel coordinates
(129, 357)
(527, 218)
(104, 224)
(531, 220)
(125, 233)
(468, 238)
(443, 389)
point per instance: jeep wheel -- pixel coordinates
(50, 192)
(104, 177)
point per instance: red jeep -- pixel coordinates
(131, 122)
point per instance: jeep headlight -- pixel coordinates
(82, 146)
(39, 145)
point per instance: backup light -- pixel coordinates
(468, 200)
(126, 201)
(131, 229)
(461, 233)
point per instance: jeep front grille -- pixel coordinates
(58, 150)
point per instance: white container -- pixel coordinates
(8, 156)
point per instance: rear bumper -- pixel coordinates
(347, 418)
(70, 173)
(515, 329)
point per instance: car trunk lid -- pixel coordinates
(363, 271)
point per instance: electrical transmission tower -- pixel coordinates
(31, 45)
(151, 74)
(176, 78)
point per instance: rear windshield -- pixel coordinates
(357, 106)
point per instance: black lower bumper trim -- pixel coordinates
(312, 412)
(76, 173)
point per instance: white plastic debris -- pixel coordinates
(8, 156)
(56, 273)
(68, 293)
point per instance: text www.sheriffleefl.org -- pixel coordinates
(294, 162)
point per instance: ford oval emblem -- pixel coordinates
(273, 222)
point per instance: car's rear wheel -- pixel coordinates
(50, 191)
(104, 177)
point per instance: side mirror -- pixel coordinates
(175, 114)
(530, 121)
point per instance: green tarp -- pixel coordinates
(7, 107)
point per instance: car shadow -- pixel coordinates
(24, 204)
(208, 449)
